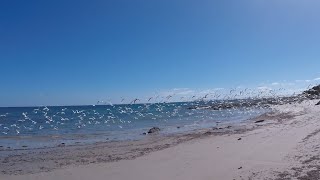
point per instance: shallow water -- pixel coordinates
(47, 126)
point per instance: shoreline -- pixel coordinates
(186, 121)
(251, 150)
(57, 157)
(41, 141)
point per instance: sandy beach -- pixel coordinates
(283, 145)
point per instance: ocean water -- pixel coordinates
(49, 126)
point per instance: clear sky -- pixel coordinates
(75, 52)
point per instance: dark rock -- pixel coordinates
(24, 146)
(318, 103)
(154, 130)
(228, 127)
(259, 121)
(144, 133)
(313, 92)
(240, 167)
(62, 145)
(178, 127)
(239, 139)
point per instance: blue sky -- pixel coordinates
(76, 52)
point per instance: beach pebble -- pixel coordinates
(239, 139)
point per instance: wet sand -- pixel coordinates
(283, 146)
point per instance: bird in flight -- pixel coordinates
(134, 101)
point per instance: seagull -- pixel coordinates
(99, 102)
(134, 101)
(232, 90)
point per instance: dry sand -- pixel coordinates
(285, 146)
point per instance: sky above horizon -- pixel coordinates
(77, 52)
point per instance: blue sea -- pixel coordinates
(49, 126)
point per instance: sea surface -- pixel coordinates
(25, 127)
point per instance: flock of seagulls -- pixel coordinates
(158, 109)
